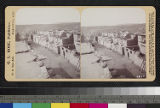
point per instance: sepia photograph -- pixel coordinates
(80, 44)
(47, 43)
(113, 43)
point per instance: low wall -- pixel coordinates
(64, 52)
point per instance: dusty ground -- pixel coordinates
(55, 66)
(25, 67)
(58, 67)
(120, 66)
(90, 69)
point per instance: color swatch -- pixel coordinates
(6, 105)
(22, 105)
(117, 105)
(98, 105)
(60, 105)
(136, 106)
(41, 105)
(77, 105)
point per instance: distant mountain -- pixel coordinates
(47, 27)
(132, 28)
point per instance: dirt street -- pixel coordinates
(56, 64)
(119, 66)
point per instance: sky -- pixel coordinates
(112, 16)
(28, 16)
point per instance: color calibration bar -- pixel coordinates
(75, 105)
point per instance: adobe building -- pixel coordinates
(61, 42)
(142, 43)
